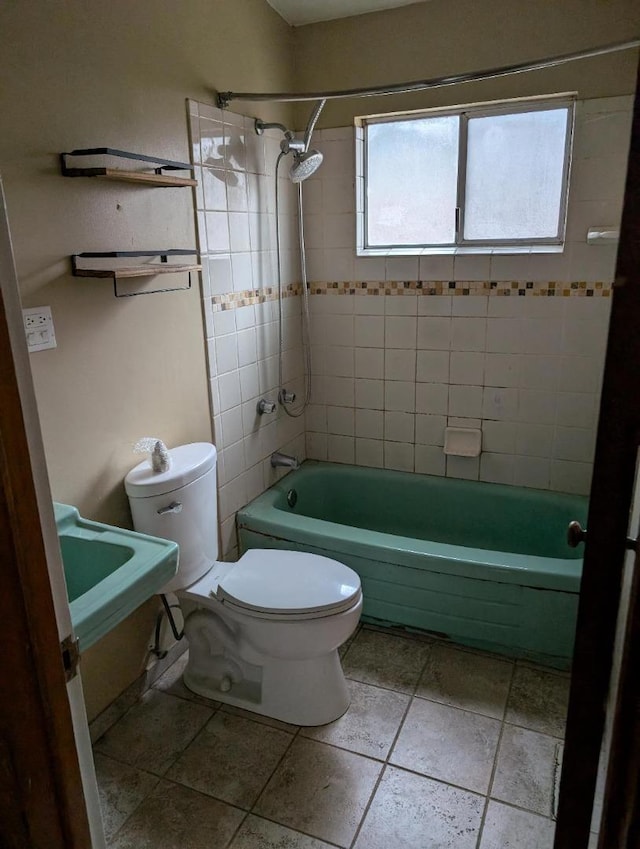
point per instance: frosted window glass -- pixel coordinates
(514, 175)
(412, 173)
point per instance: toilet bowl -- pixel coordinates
(264, 632)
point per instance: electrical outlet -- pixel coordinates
(36, 319)
(38, 327)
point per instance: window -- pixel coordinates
(483, 176)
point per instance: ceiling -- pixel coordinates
(300, 12)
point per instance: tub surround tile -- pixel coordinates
(432, 366)
(370, 724)
(504, 331)
(400, 332)
(497, 468)
(526, 770)
(448, 744)
(369, 423)
(155, 731)
(434, 333)
(370, 452)
(121, 788)
(430, 460)
(399, 427)
(475, 682)
(467, 468)
(539, 700)
(432, 398)
(320, 790)
(430, 430)
(231, 759)
(509, 828)
(341, 449)
(176, 816)
(369, 363)
(412, 812)
(386, 660)
(399, 456)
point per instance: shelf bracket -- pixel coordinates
(116, 273)
(155, 177)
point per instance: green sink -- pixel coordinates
(109, 571)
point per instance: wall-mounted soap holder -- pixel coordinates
(463, 441)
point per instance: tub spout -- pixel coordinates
(286, 460)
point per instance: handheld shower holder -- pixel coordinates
(286, 397)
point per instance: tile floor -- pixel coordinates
(441, 747)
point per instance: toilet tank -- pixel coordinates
(180, 505)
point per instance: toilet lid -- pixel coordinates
(289, 582)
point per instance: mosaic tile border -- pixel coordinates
(550, 289)
(465, 287)
(250, 297)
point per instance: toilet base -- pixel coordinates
(301, 692)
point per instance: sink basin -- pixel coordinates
(109, 571)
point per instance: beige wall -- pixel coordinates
(453, 36)
(81, 74)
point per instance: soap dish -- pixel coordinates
(462, 441)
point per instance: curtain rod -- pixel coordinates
(223, 98)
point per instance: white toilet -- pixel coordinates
(263, 632)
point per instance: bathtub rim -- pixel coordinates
(263, 516)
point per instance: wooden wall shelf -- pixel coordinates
(117, 272)
(156, 178)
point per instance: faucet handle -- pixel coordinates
(265, 406)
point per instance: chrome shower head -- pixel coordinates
(304, 165)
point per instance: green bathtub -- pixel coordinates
(483, 564)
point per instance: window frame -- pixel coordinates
(465, 113)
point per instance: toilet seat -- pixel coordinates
(285, 585)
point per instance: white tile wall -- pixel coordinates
(236, 229)
(390, 372)
(536, 401)
(527, 370)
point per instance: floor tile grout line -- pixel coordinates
(158, 779)
(462, 709)
(386, 762)
(535, 730)
(295, 830)
(248, 715)
(379, 686)
(521, 809)
(435, 779)
(235, 833)
(494, 767)
(184, 787)
(294, 737)
(180, 753)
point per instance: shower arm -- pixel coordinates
(225, 97)
(260, 126)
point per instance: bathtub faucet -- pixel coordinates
(286, 460)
